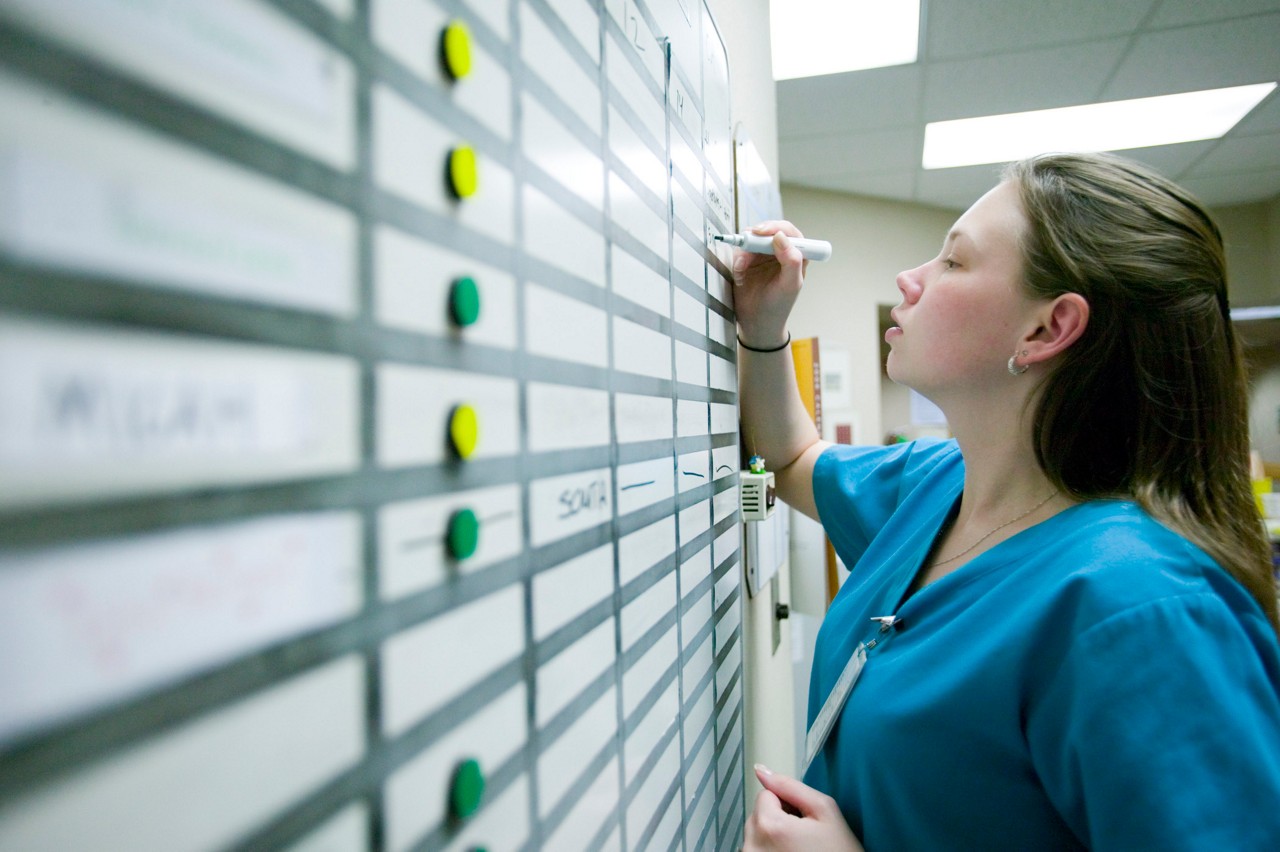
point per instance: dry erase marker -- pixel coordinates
(759, 244)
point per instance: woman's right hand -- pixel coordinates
(767, 286)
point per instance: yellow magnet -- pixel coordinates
(455, 50)
(464, 430)
(464, 173)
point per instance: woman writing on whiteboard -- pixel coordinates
(1065, 617)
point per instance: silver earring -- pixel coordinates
(1014, 369)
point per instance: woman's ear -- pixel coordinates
(1062, 322)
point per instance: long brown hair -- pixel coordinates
(1151, 403)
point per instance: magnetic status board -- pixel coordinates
(368, 427)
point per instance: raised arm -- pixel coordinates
(775, 423)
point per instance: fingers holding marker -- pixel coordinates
(780, 239)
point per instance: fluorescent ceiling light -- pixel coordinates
(1260, 313)
(1112, 126)
(813, 37)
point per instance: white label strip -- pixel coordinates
(412, 281)
(416, 795)
(563, 505)
(648, 797)
(724, 418)
(87, 412)
(410, 154)
(698, 662)
(103, 621)
(556, 326)
(347, 830)
(727, 542)
(407, 30)
(579, 828)
(239, 58)
(638, 38)
(556, 236)
(695, 569)
(694, 521)
(689, 263)
(562, 593)
(724, 374)
(648, 609)
(721, 329)
(630, 86)
(209, 782)
(642, 418)
(562, 678)
(691, 364)
(560, 153)
(644, 548)
(635, 282)
(628, 147)
(412, 549)
(414, 406)
(544, 55)
(691, 418)
(683, 108)
(686, 161)
(563, 418)
(644, 483)
(686, 209)
(689, 312)
(86, 191)
(585, 26)
(725, 461)
(648, 732)
(561, 764)
(693, 469)
(633, 215)
(641, 350)
(724, 504)
(427, 665)
(644, 673)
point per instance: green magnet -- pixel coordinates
(467, 789)
(464, 533)
(464, 301)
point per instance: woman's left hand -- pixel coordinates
(790, 815)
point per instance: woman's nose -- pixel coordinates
(908, 282)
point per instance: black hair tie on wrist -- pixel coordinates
(784, 345)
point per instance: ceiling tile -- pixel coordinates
(859, 100)
(1173, 13)
(856, 153)
(1172, 161)
(956, 188)
(964, 28)
(1239, 153)
(1016, 82)
(896, 185)
(1265, 117)
(1242, 188)
(1212, 56)
(986, 57)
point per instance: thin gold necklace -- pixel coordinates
(994, 531)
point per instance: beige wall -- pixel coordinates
(1252, 244)
(874, 239)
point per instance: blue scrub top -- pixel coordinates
(1095, 681)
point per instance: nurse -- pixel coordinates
(1065, 617)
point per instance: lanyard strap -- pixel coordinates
(818, 732)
